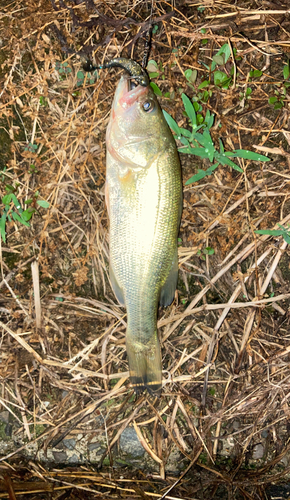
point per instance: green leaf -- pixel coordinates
(155, 88)
(205, 140)
(287, 238)
(152, 66)
(2, 227)
(209, 119)
(203, 84)
(222, 158)
(80, 75)
(286, 71)
(8, 188)
(184, 141)
(248, 155)
(189, 109)
(153, 75)
(43, 203)
(278, 105)
(255, 73)
(194, 151)
(7, 199)
(219, 59)
(270, 232)
(190, 75)
(18, 218)
(27, 214)
(185, 132)
(197, 177)
(272, 99)
(220, 78)
(225, 49)
(15, 201)
(196, 106)
(199, 119)
(171, 123)
(201, 174)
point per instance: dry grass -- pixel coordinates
(226, 336)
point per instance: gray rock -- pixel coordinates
(4, 416)
(130, 444)
(258, 451)
(264, 433)
(70, 444)
(73, 459)
(285, 461)
(94, 446)
(60, 456)
(8, 430)
(236, 425)
(59, 446)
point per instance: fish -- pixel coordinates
(143, 194)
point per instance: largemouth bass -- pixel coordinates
(144, 202)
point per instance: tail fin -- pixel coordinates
(145, 364)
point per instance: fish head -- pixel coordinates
(137, 131)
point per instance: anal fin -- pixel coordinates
(169, 287)
(116, 287)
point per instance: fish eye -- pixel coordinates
(148, 106)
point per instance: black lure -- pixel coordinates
(132, 67)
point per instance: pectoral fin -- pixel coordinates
(116, 287)
(169, 287)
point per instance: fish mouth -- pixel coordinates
(125, 95)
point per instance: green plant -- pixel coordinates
(280, 93)
(31, 147)
(286, 71)
(63, 69)
(220, 78)
(283, 231)
(92, 77)
(156, 71)
(42, 101)
(255, 73)
(221, 57)
(204, 40)
(206, 251)
(190, 75)
(32, 169)
(13, 210)
(201, 144)
(246, 94)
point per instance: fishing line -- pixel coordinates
(148, 39)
